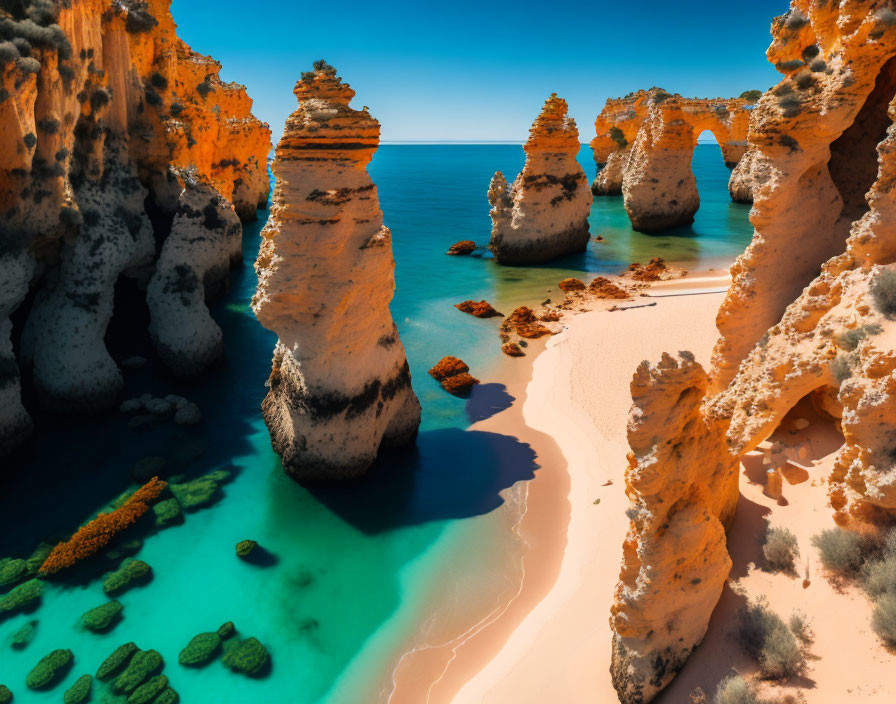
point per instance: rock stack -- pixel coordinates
(340, 388)
(544, 214)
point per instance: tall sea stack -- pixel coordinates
(340, 388)
(544, 214)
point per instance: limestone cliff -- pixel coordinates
(812, 312)
(544, 214)
(340, 388)
(682, 484)
(618, 124)
(102, 108)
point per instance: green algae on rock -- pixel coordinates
(23, 637)
(102, 618)
(248, 656)
(169, 696)
(200, 651)
(244, 548)
(5, 694)
(22, 598)
(168, 513)
(38, 557)
(148, 692)
(12, 571)
(113, 664)
(79, 692)
(130, 574)
(143, 664)
(50, 670)
(226, 630)
(200, 492)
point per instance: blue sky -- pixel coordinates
(470, 71)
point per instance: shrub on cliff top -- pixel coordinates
(751, 95)
(139, 19)
(883, 619)
(322, 66)
(883, 291)
(850, 339)
(780, 549)
(97, 534)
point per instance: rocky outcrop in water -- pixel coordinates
(544, 214)
(340, 388)
(622, 120)
(812, 309)
(682, 483)
(102, 111)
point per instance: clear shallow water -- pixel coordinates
(356, 565)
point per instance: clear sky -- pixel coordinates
(470, 71)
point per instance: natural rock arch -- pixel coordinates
(656, 160)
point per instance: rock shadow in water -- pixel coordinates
(487, 400)
(451, 474)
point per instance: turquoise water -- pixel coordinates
(354, 567)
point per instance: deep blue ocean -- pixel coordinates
(353, 568)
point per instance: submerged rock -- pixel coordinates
(80, 691)
(22, 638)
(131, 574)
(544, 214)
(50, 670)
(325, 280)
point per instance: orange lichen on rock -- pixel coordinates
(454, 375)
(570, 284)
(462, 248)
(479, 309)
(602, 287)
(97, 534)
(653, 271)
(524, 322)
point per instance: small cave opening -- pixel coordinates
(854, 162)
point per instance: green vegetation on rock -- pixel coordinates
(38, 557)
(23, 637)
(142, 665)
(200, 651)
(102, 618)
(113, 664)
(247, 656)
(199, 492)
(169, 696)
(131, 573)
(23, 597)
(244, 548)
(50, 669)
(226, 630)
(79, 692)
(146, 693)
(11, 571)
(167, 513)
(5, 694)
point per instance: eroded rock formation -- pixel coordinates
(812, 312)
(682, 484)
(102, 108)
(340, 388)
(544, 214)
(619, 122)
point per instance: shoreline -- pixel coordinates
(470, 667)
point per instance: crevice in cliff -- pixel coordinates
(854, 161)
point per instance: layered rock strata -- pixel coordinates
(619, 122)
(682, 484)
(340, 388)
(101, 109)
(812, 312)
(544, 214)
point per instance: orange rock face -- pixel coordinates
(619, 122)
(326, 276)
(568, 285)
(544, 213)
(102, 106)
(479, 309)
(525, 323)
(653, 271)
(454, 375)
(512, 349)
(462, 248)
(602, 287)
(812, 313)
